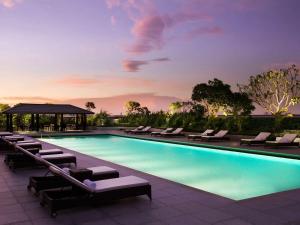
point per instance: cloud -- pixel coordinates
(75, 81)
(113, 81)
(152, 23)
(133, 65)
(10, 3)
(113, 20)
(150, 26)
(204, 31)
(15, 100)
(150, 31)
(161, 59)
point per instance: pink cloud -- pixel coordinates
(151, 26)
(12, 100)
(9, 3)
(108, 81)
(113, 20)
(76, 81)
(133, 65)
(203, 31)
(149, 34)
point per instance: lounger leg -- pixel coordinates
(149, 193)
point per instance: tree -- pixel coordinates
(212, 95)
(238, 105)
(4, 107)
(143, 110)
(132, 107)
(2, 116)
(276, 90)
(102, 119)
(175, 107)
(90, 106)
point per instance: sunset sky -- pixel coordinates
(96, 48)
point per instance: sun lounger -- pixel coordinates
(135, 129)
(29, 144)
(176, 132)
(60, 158)
(168, 130)
(285, 141)
(92, 192)
(7, 142)
(45, 152)
(258, 140)
(198, 136)
(143, 131)
(28, 159)
(13, 138)
(5, 134)
(39, 183)
(221, 135)
(20, 156)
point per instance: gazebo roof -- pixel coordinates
(24, 108)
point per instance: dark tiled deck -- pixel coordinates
(172, 204)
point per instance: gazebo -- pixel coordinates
(58, 110)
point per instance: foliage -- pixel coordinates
(132, 107)
(275, 90)
(175, 107)
(2, 116)
(239, 105)
(212, 95)
(102, 119)
(90, 106)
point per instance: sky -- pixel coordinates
(61, 49)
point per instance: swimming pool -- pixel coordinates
(230, 174)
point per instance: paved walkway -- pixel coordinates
(172, 203)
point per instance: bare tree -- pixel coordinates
(276, 90)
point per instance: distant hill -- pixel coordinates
(115, 104)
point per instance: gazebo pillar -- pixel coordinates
(32, 122)
(76, 122)
(84, 121)
(55, 122)
(61, 122)
(7, 122)
(11, 128)
(37, 122)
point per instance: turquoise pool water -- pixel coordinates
(230, 174)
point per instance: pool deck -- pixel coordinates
(172, 203)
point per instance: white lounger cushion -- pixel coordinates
(168, 130)
(29, 142)
(287, 138)
(101, 170)
(54, 150)
(119, 183)
(262, 136)
(55, 156)
(221, 133)
(203, 134)
(177, 131)
(13, 136)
